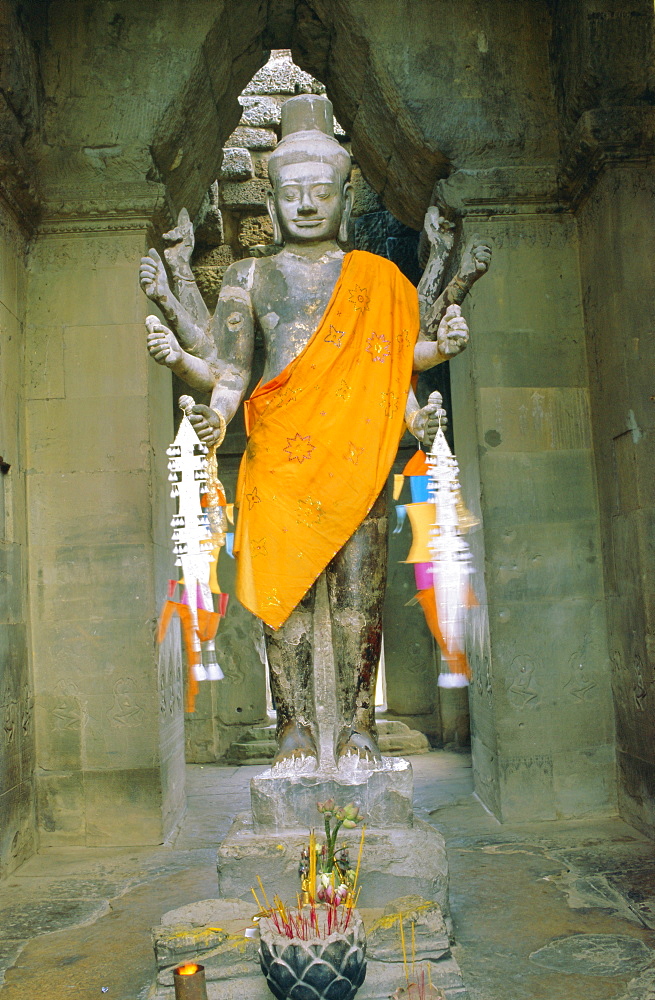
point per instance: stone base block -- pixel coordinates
(231, 961)
(401, 862)
(382, 979)
(284, 798)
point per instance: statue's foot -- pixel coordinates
(295, 740)
(359, 742)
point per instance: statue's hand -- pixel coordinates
(438, 230)
(207, 424)
(162, 345)
(181, 241)
(153, 278)
(475, 260)
(453, 333)
(426, 423)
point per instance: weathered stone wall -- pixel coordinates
(17, 824)
(98, 420)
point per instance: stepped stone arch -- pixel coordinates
(330, 42)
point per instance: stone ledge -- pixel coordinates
(501, 190)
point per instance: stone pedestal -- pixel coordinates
(286, 800)
(397, 862)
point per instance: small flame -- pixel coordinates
(187, 970)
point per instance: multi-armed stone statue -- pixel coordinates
(343, 334)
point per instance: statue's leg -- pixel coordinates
(356, 582)
(290, 655)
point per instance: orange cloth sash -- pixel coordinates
(323, 437)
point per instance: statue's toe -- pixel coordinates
(360, 742)
(295, 739)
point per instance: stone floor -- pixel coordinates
(564, 911)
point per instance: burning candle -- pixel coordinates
(189, 980)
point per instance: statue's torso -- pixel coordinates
(289, 295)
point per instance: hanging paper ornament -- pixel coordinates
(439, 552)
(199, 528)
(451, 562)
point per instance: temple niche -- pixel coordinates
(532, 127)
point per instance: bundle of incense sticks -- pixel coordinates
(307, 921)
(418, 987)
(311, 920)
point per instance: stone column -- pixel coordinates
(542, 727)
(617, 249)
(110, 762)
(17, 819)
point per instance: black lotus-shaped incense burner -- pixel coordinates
(321, 967)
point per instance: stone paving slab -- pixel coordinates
(26, 920)
(9, 951)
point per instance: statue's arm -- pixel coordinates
(233, 332)
(165, 349)
(180, 243)
(452, 338)
(440, 235)
(474, 263)
(423, 422)
(190, 334)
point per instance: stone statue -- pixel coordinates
(285, 295)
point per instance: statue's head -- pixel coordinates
(309, 172)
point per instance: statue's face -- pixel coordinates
(309, 202)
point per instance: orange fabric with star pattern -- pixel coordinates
(323, 437)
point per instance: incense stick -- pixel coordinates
(413, 950)
(312, 866)
(359, 856)
(261, 886)
(404, 950)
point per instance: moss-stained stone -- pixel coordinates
(249, 196)
(237, 165)
(519, 486)
(115, 434)
(255, 230)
